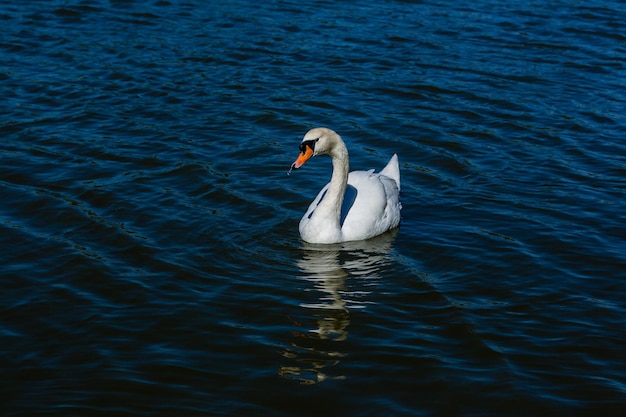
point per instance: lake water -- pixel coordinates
(151, 263)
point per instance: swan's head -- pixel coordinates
(318, 141)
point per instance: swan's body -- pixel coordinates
(354, 206)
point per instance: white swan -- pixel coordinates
(355, 206)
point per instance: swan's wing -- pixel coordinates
(376, 207)
(315, 202)
(348, 202)
(392, 170)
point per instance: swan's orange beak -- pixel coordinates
(304, 156)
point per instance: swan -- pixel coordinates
(354, 206)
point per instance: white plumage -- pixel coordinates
(354, 206)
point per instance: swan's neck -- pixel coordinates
(330, 206)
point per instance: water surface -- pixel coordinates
(151, 262)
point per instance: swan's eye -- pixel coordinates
(309, 143)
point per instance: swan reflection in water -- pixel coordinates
(340, 276)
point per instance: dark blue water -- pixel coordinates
(151, 262)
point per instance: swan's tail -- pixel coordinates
(392, 170)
